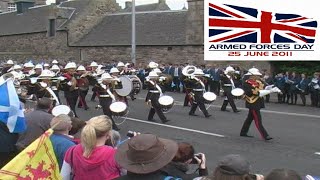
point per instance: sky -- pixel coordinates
(173, 4)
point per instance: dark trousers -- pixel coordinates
(280, 98)
(82, 99)
(215, 87)
(303, 98)
(255, 115)
(268, 98)
(295, 96)
(227, 101)
(176, 81)
(314, 95)
(72, 98)
(198, 101)
(94, 94)
(156, 108)
(105, 103)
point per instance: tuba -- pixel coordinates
(189, 70)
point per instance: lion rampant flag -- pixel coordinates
(37, 161)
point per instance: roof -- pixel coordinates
(32, 21)
(152, 28)
(149, 7)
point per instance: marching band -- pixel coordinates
(114, 84)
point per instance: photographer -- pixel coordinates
(185, 156)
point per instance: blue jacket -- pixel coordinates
(280, 82)
(215, 75)
(61, 144)
(303, 84)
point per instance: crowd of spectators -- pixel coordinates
(92, 150)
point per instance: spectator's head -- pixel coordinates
(61, 124)
(185, 153)
(77, 125)
(114, 139)
(283, 174)
(146, 153)
(96, 130)
(44, 103)
(233, 167)
(303, 75)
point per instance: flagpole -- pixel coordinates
(133, 42)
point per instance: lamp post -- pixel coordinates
(133, 41)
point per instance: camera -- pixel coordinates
(194, 161)
(130, 134)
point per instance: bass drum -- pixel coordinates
(130, 85)
(166, 103)
(119, 109)
(209, 97)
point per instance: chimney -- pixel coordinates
(24, 5)
(60, 1)
(128, 4)
(162, 1)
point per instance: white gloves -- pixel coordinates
(33, 80)
(69, 83)
(269, 87)
(43, 84)
(275, 90)
(61, 78)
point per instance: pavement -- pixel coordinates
(295, 130)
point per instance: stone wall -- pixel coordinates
(36, 46)
(40, 47)
(195, 26)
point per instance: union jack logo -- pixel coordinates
(229, 23)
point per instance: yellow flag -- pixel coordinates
(36, 162)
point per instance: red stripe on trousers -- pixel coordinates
(256, 122)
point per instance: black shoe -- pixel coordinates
(236, 111)
(246, 135)
(165, 121)
(152, 120)
(86, 108)
(225, 110)
(268, 138)
(208, 115)
(192, 114)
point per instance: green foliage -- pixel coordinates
(307, 67)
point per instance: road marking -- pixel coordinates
(178, 103)
(317, 153)
(176, 127)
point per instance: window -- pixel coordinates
(52, 27)
(12, 7)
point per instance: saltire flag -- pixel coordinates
(11, 111)
(236, 24)
(37, 161)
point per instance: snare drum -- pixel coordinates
(209, 97)
(166, 103)
(119, 108)
(237, 92)
(130, 85)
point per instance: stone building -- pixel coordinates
(10, 5)
(86, 30)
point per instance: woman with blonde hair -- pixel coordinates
(92, 159)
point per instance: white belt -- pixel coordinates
(104, 96)
(152, 91)
(227, 85)
(198, 89)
